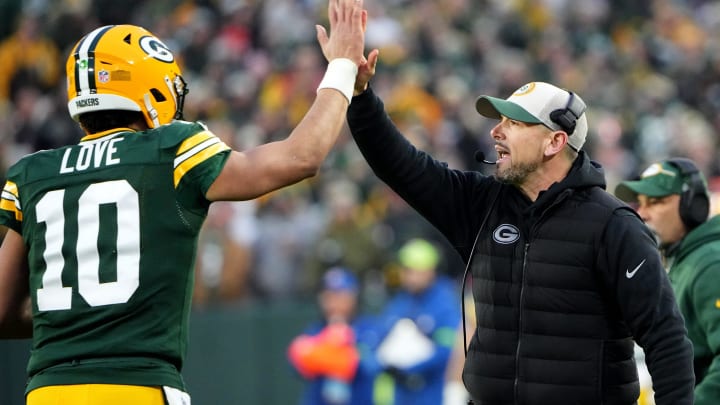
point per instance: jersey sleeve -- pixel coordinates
(706, 304)
(11, 214)
(199, 159)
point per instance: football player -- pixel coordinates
(102, 234)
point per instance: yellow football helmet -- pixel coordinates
(125, 67)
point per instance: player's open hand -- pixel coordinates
(348, 20)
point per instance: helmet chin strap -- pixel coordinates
(152, 112)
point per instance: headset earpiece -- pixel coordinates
(567, 117)
(694, 199)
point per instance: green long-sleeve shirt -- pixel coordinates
(694, 270)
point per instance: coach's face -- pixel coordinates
(520, 147)
(662, 215)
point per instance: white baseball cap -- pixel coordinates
(541, 103)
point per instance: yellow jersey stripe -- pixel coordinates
(195, 159)
(11, 188)
(10, 200)
(105, 134)
(194, 141)
(179, 159)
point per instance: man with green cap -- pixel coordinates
(417, 327)
(672, 198)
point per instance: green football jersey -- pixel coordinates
(111, 225)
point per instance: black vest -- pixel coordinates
(548, 329)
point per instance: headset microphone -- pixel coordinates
(480, 157)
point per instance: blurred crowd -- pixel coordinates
(649, 70)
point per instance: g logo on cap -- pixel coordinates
(525, 89)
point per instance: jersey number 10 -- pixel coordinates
(53, 295)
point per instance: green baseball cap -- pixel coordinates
(658, 180)
(419, 254)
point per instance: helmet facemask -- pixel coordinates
(181, 90)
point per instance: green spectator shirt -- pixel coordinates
(695, 276)
(111, 227)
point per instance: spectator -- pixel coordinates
(333, 355)
(222, 270)
(347, 237)
(28, 57)
(418, 327)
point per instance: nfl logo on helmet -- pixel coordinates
(103, 76)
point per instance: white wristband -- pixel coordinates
(340, 75)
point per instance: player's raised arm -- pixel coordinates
(252, 173)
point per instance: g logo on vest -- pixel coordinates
(506, 234)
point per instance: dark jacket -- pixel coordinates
(694, 266)
(561, 285)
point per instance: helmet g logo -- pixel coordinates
(156, 49)
(506, 234)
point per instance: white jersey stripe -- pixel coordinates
(203, 145)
